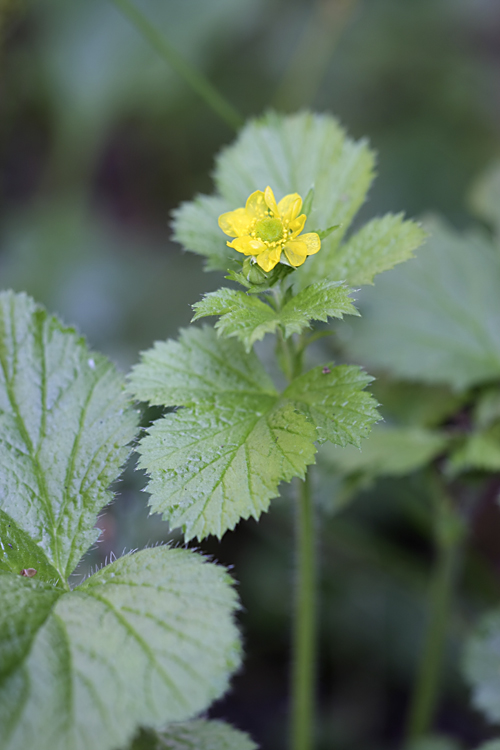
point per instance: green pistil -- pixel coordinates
(269, 230)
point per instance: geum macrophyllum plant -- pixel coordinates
(222, 455)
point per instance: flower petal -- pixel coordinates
(295, 252)
(297, 225)
(312, 241)
(271, 202)
(235, 223)
(256, 205)
(268, 259)
(289, 206)
(247, 245)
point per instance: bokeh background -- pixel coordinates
(100, 140)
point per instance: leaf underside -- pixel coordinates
(65, 424)
(221, 457)
(148, 640)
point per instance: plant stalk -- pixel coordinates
(304, 635)
(193, 77)
(449, 535)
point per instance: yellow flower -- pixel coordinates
(265, 230)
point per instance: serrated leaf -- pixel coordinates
(19, 552)
(482, 665)
(437, 318)
(290, 154)
(388, 451)
(485, 196)
(334, 400)
(222, 458)
(196, 369)
(480, 451)
(148, 640)
(249, 319)
(64, 429)
(377, 247)
(195, 227)
(195, 735)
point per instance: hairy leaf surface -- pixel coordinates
(482, 666)
(378, 246)
(222, 457)
(249, 319)
(18, 552)
(437, 318)
(64, 429)
(148, 640)
(195, 735)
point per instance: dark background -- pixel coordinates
(99, 140)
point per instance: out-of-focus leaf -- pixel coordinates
(482, 666)
(437, 318)
(65, 423)
(378, 246)
(434, 742)
(485, 196)
(388, 451)
(195, 227)
(480, 451)
(491, 745)
(148, 640)
(418, 404)
(249, 319)
(195, 735)
(487, 409)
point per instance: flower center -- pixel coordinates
(269, 230)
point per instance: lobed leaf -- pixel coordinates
(195, 227)
(334, 400)
(377, 247)
(436, 319)
(148, 640)
(482, 665)
(222, 457)
(65, 424)
(249, 319)
(195, 735)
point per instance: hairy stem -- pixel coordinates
(449, 535)
(196, 80)
(304, 634)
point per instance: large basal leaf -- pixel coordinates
(290, 154)
(482, 666)
(437, 318)
(378, 246)
(247, 318)
(222, 456)
(64, 428)
(148, 640)
(195, 735)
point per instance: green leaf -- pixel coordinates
(222, 458)
(249, 319)
(334, 400)
(148, 640)
(485, 196)
(487, 409)
(482, 665)
(480, 451)
(19, 552)
(195, 735)
(388, 451)
(64, 428)
(437, 318)
(434, 742)
(195, 227)
(491, 745)
(290, 154)
(377, 247)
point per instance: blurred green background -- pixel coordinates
(99, 140)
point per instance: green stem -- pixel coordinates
(449, 535)
(304, 636)
(191, 76)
